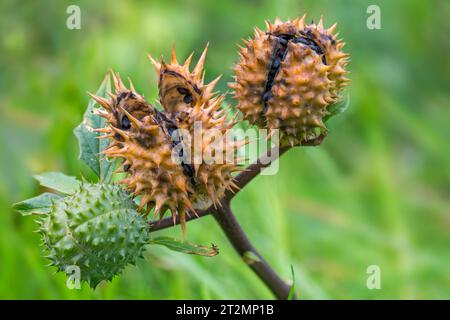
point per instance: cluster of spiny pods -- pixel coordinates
(286, 78)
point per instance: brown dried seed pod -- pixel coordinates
(287, 77)
(143, 142)
(179, 88)
(147, 143)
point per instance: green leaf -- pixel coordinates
(90, 146)
(338, 107)
(58, 181)
(186, 247)
(291, 294)
(37, 205)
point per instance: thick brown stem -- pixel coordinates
(230, 226)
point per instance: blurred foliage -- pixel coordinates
(376, 192)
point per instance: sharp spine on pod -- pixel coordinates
(179, 88)
(288, 76)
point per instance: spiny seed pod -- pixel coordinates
(146, 148)
(212, 153)
(97, 229)
(155, 160)
(179, 88)
(188, 101)
(288, 76)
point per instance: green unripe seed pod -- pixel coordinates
(97, 229)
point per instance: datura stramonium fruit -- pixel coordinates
(97, 229)
(190, 102)
(288, 76)
(159, 159)
(179, 88)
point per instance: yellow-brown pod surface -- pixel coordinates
(143, 142)
(179, 88)
(123, 99)
(212, 153)
(287, 77)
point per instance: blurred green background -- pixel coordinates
(377, 192)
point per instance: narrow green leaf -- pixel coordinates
(58, 181)
(292, 291)
(90, 146)
(186, 247)
(37, 205)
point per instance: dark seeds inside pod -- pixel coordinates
(187, 98)
(183, 91)
(125, 123)
(187, 95)
(307, 40)
(188, 169)
(279, 54)
(122, 96)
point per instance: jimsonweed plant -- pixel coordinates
(150, 159)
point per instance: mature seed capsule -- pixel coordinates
(97, 229)
(151, 153)
(288, 76)
(146, 149)
(189, 102)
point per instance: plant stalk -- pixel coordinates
(230, 226)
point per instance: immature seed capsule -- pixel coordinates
(96, 230)
(287, 77)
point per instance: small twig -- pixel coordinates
(168, 222)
